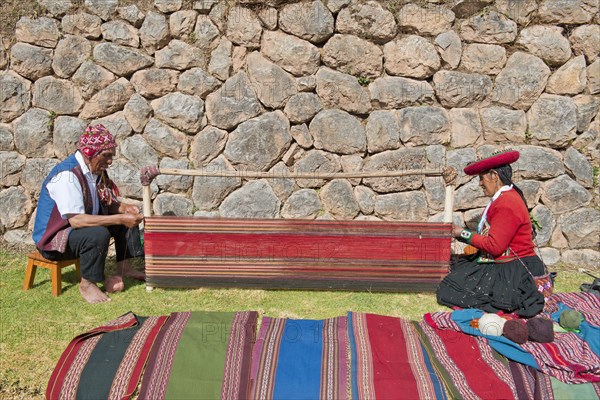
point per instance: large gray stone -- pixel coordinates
(180, 55)
(310, 21)
(501, 125)
(154, 82)
(181, 23)
(131, 14)
(257, 144)
(459, 159)
(233, 103)
(243, 27)
(567, 12)
(580, 230)
(168, 6)
(91, 78)
(67, 131)
(549, 255)
(563, 194)
(117, 124)
(458, 89)
(174, 183)
(546, 42)
(206, 145)
(16, 207)
(411, 56)
(127, 175)
(353, 55)
(302, 136)
(42, 31)
(521, 11)
(424, 125)
(282, 187)
(365, 198)
(538, 163)
(166, 140)
(544, 218)
(82, 24)
(120, 32)
(121, 60)
(395, 160)
(15, 97)
(268, 17)
(172, 204)
(6, 138)
(57, 8)
(138, 112)
(552, 120)
(302, 107)
(154, 33)
(220, 60)
(180, 110)
(255, 199)
(12, 165)
(317, 162)
(449, 46)
(490, 28)
(272, 84)
(466, 127)
(70, 53)
(368, 20)
(108, 100)
(105, 9)
(436, 156)
(19, 237)
(209, 192)
(57, 95)
(351, 164)
(468, 8)
(435, 192)
(33, 133)
(470, 195)
(579, 167)
(338, 132)
(429, 20)
(34, 173)
(586, 258)
(197, 82)
(383, 131)
(206, 34)
(338, 199)
(395, 92)
(571, 78)
(410, 206)
(587, 108)
(484, 58)
(521, 81)
(138, 152)
(303, 203)
(293, 54)
(531, 191)
(586, 40)
(31, 62)
(339, 90)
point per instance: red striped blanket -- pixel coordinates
(298, 254)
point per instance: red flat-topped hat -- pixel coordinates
(495, 161)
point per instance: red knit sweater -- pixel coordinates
(509, 226)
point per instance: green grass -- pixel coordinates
(35, 327)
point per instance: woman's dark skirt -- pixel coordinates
(493, 287)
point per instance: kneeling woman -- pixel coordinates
(500, 275)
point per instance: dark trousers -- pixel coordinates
(90, 245)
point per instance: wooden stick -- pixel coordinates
(299, 175)
(146, 195)
(449, 204)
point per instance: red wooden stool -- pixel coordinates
(35, 259)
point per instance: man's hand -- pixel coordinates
(130, 219)
(128, 209)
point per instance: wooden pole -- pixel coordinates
(299, 175)
(449, 204)
(146, 196)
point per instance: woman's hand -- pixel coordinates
(456, 230)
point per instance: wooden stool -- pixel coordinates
(35, 259)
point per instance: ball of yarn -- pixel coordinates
(540, 330)
(570, 319)
(516, 330)
(491, 324)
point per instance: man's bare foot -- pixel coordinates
(114, 284)
(92, 293)
(126, 269)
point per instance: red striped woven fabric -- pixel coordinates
(297, 254)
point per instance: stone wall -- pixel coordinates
(317, 86)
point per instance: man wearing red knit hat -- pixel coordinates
(78, 212)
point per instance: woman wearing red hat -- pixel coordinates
(500, 275)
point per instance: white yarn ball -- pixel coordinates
(491, 324)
